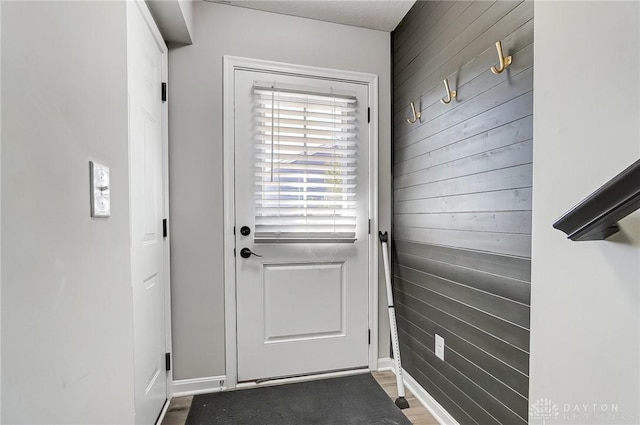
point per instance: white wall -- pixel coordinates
(195, 152)
(585, 326)
(67, 340)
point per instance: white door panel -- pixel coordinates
(147, 206)
(301, 307)
(303, 301)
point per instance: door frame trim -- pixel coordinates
(230, 65)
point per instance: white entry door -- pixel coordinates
(301, 216)
(147, 204)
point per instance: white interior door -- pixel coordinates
(147, 212)
(302, 306)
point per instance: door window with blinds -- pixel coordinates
(305, 164)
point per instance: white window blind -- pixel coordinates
(305, 164)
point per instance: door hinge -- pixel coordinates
(368, 114)
(234, 230)
(369, 226)
(167, 361)
(165, 232)
(164, 92)
(369, 337)
(234, 252)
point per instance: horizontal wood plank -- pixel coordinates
(502, 308)
(500, 200)
(501, 243)
(470, 25)
(505, 135)
(501, 329)
(424, 17)
(510, 111)
(496, 411)
(500, 371)
(434, 35)
(494, 221)
(515, 177)
(462, 182)
(507, 353)
(413, 20)
(415, 356)
(504, 287)
(504, 402)
(518, 85)
(431, 108)
(489, 263)
(447, 398)
(465, 67)
(413, 79)
(513, 155)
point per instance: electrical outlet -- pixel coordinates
(439, 347)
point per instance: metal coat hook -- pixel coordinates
(416, 114)
(451, 94)
(505, 62)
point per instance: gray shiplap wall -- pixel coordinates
(462, 205)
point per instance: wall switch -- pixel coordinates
(100, 190)
(439, 347)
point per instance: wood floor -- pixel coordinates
(417, 414)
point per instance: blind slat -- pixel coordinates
(305, 203)
(310, 149)
(326, 160)
(277, 167)
(304, 122)
(269, 195)
(302, 94)
(307, 228)
(305, 132)
(306, 185)
(292, 175)
(283, 105)
(267, 139)
(302, 114)
(283, 210)
(297, 220)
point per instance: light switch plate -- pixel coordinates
(439, 347)
(100, 190)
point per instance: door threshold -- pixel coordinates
(267, 382)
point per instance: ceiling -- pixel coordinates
(382, 15)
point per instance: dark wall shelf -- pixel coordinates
(596, 218)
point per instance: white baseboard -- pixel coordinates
(208, 384)
(385, 363)
(437, 411)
